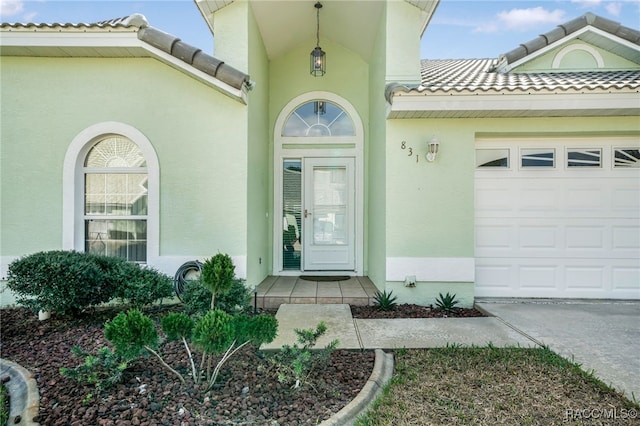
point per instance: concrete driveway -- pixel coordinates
(603, 336)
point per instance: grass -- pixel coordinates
(488, 386)
(4, 404)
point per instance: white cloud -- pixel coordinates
(11, 7)
(586, 4)
(527, 19)
(614, 8)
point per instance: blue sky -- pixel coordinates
(459, 28)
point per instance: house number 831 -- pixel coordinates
(403, 145)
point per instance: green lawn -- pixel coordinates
(490, 386)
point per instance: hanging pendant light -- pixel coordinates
(318, 57)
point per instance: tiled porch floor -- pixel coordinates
(276, 290)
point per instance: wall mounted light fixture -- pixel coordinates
(318, 56)
(432, 149)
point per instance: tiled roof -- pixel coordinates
(563, 30)
(478, 75)
(154, 37)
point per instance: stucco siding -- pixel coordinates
(197, 134)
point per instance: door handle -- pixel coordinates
(306, 213)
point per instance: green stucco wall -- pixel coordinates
(375, 156)
(199, 136)
(259, 194)
(430, 206)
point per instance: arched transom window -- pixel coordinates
(318, 118)
(116, 199)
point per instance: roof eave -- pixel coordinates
(125, 42)
(551, 104)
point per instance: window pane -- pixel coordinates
(330, 205)
(319, 118)
(120, 238)
(492, 158)
(117, 194)
(537, 157)
(584, 157)
(115, 151)
(627, 158)
(291, 214)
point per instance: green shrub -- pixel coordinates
(447, 302)
(142, 286)
(4, 404)
(131, 333)
(64, 281)
(197, 299)
(102, 370)
(295, 363)
(384, 301)
(217, 275)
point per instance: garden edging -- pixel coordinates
(24, 398)
(380, 376)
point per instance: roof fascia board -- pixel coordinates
(503, 67)
(552, 102)
(127, 40)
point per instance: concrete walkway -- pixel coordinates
(603, 336)
(391, 333)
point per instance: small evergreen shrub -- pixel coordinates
(197, 299)
(217, 275)
(64, 281)
(131, 333)
(102, 370)
(143, 285)
(295, 364)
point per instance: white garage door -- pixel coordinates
(558, 218)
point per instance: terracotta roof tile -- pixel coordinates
(159, 39)
(478, 75)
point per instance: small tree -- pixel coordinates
(131, 334)
(296, 363)
(217, 275)
(217, 333)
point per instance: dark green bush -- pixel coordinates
(197, 299)
(218, 274)
(143, 285)
(131, 333)
(64, 281)
(102, 370)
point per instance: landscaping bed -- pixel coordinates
(247, 391)
(412, 311)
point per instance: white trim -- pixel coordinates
(120, 43)
(280, 153)
(573, 36)
(441, 269)
(584, 47)
(534, 104)
(73, 176)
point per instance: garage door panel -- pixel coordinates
(538, 276)
(570, 232)
(580, 238)
(626, 238)
(626, 278)
(584, 277)
(626, 199)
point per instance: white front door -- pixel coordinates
(328, 215)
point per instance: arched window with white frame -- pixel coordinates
(115, 199)
(111, 193)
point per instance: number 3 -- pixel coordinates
(410, 152)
